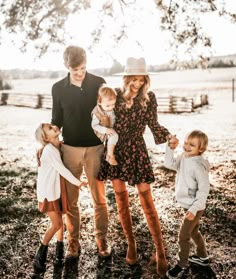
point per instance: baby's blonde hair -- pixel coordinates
(105, 91)
(40, 135)
(202, 137)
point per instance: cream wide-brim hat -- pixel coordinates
(135, 67)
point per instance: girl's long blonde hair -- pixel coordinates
(40, 135)
(142, 96)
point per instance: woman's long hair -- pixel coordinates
(142, 95)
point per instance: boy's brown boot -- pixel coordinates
(149, 209)
(122, 200)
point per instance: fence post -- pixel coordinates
(171, 104)
(4, 98)
(192, 108)
(233, 90)
(40, 101)
(204, 100)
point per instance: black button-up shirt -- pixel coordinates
(72, 107)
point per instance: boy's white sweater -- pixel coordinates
(192, 180)
(48, 182)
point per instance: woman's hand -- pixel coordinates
(83, 184)
(172, 141)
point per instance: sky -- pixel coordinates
(155, 48)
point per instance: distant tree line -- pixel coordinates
(30, 74)
(214, 62)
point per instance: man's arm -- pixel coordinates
(57, 113)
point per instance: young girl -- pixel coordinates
(51, 192)
(191, 191)
(103, 119)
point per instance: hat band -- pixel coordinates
(141, 70)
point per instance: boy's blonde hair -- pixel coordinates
(202, 137)
(40, 135)
(74, 56)
(105, 91)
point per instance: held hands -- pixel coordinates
(189, 216)
(83, 184)
(172, 141)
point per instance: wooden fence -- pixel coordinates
(26, 100)
(168, 104)
(178, 104)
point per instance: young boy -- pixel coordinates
(103, 119)
(191, 191)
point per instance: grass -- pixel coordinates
(22, 226)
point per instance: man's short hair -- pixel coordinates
(74, 56)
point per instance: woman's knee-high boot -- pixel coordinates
(150, 211)
(122, 200)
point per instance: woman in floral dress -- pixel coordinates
(136, 108)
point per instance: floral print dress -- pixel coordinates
(134, 165)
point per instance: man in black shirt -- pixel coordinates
(74, 98)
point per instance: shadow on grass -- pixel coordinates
(21, 227)
(18, 212)
(108, 268)
(71, 269)
(202, 272)
(18, 194)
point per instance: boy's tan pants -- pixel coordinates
(190, 230)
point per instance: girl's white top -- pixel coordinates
(192, 180)
(48, 182)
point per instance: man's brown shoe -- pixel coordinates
(104, 250)
(73, 248)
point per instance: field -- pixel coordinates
(22, 225)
